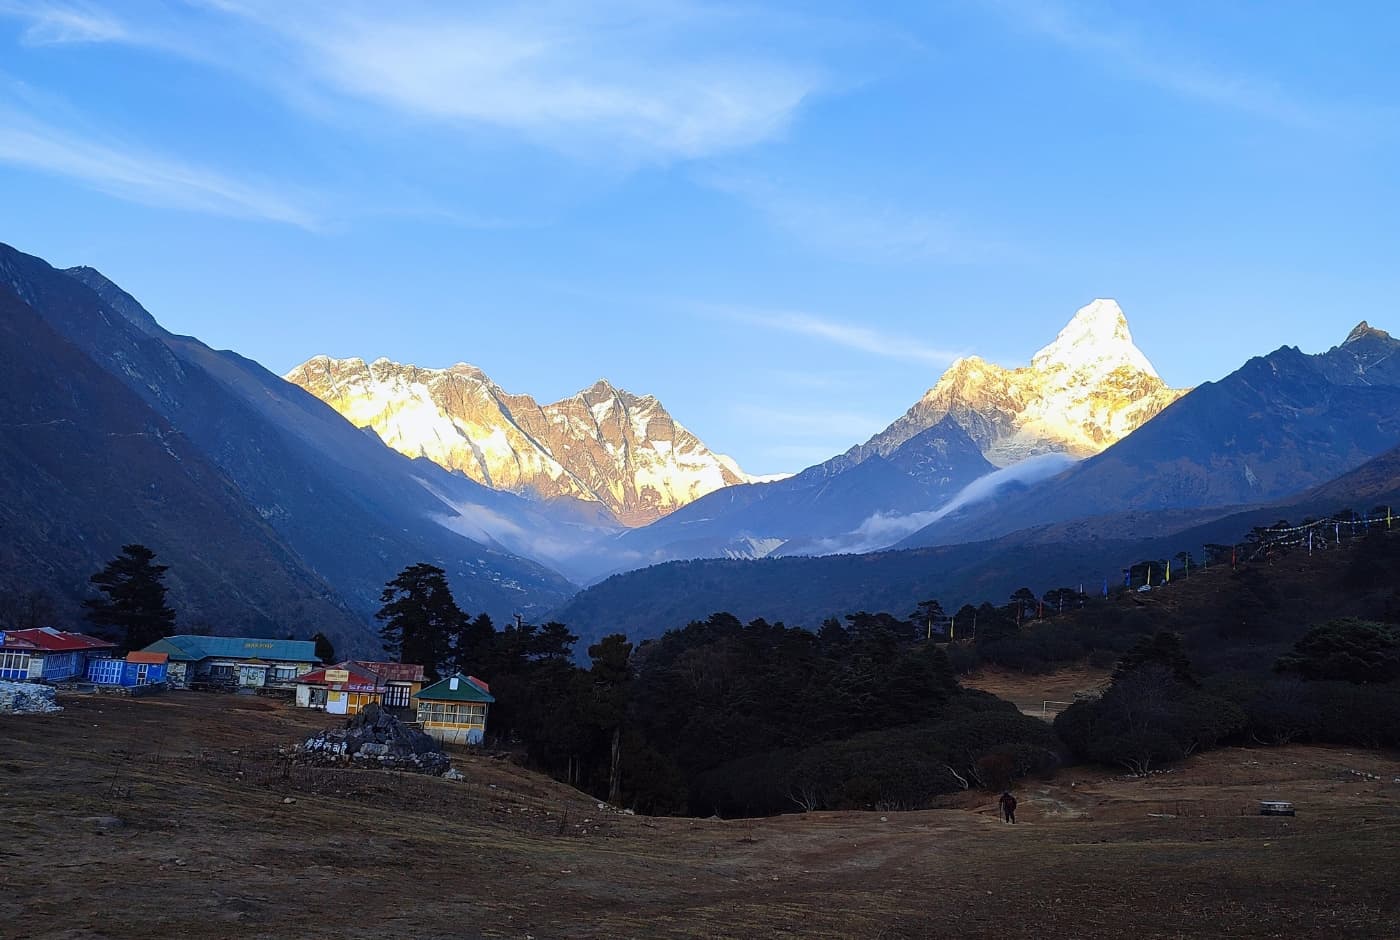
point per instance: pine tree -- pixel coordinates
(325, 650)
(929, 618)
(472, 645)
(134, 608)
(611, 674)
(420, 617)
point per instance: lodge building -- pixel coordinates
(233, 662)
(347, 687)
(454, 709)
(46, 654)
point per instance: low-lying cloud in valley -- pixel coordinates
(882, 530)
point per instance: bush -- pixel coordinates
(963, 657)
(1147, 717)
(1364, 715)
(1348, 650)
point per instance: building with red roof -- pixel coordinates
(47, 654)
(347, 687)
(401, 681)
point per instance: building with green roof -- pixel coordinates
(235, 661)
(453, 710)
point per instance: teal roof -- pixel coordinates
(189, 648)
(467, 691)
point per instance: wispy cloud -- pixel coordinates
(57, 23)
(615, 84)
(626, 80)
(140, 176)
(1124, 49)
(851, 336)
(850, 228)
(882, 530)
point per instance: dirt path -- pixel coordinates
(168, 817)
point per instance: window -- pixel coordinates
(14, 665)
(221, 672)
(396, 696)
(141, 670)
(106, 671)
(284, 673)
(452, 713)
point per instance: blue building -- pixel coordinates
(236, 662)
(136, 670)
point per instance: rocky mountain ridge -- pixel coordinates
(1086, 390)
(1082, 392)
(1279, 424)
(603, 444)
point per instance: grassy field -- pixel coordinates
(174, 816)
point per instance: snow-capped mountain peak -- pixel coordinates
(602, 444)
(1087, 389)
(1097, 340)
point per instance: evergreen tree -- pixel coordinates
(325, 650)
(964, 625)
(420, 617)
(134, 609)
(928, 617)
(472, 645)
(611, 676)
(1023, 605)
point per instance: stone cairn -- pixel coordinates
(375, 738)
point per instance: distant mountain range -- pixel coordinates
(1086, 553)
(1287, 433)
(606, 445)
(283, 512)
(1278, 425)
(1087, 389)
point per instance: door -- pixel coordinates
(336, 702)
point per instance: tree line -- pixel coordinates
(738, 718)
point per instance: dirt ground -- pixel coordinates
(172, 816)
(1041, 696)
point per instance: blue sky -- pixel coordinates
(783, 220)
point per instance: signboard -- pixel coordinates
(337, 675)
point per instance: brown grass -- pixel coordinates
(207, 846)
(1030, 693)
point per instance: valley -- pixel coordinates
(763, 470)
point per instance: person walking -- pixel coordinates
(1008, 806)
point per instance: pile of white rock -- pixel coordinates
(27, 698)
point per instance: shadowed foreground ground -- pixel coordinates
(167, 817)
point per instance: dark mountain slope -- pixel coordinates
(803, 591)
(86, 467)
(820, 509)
(351, 511)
